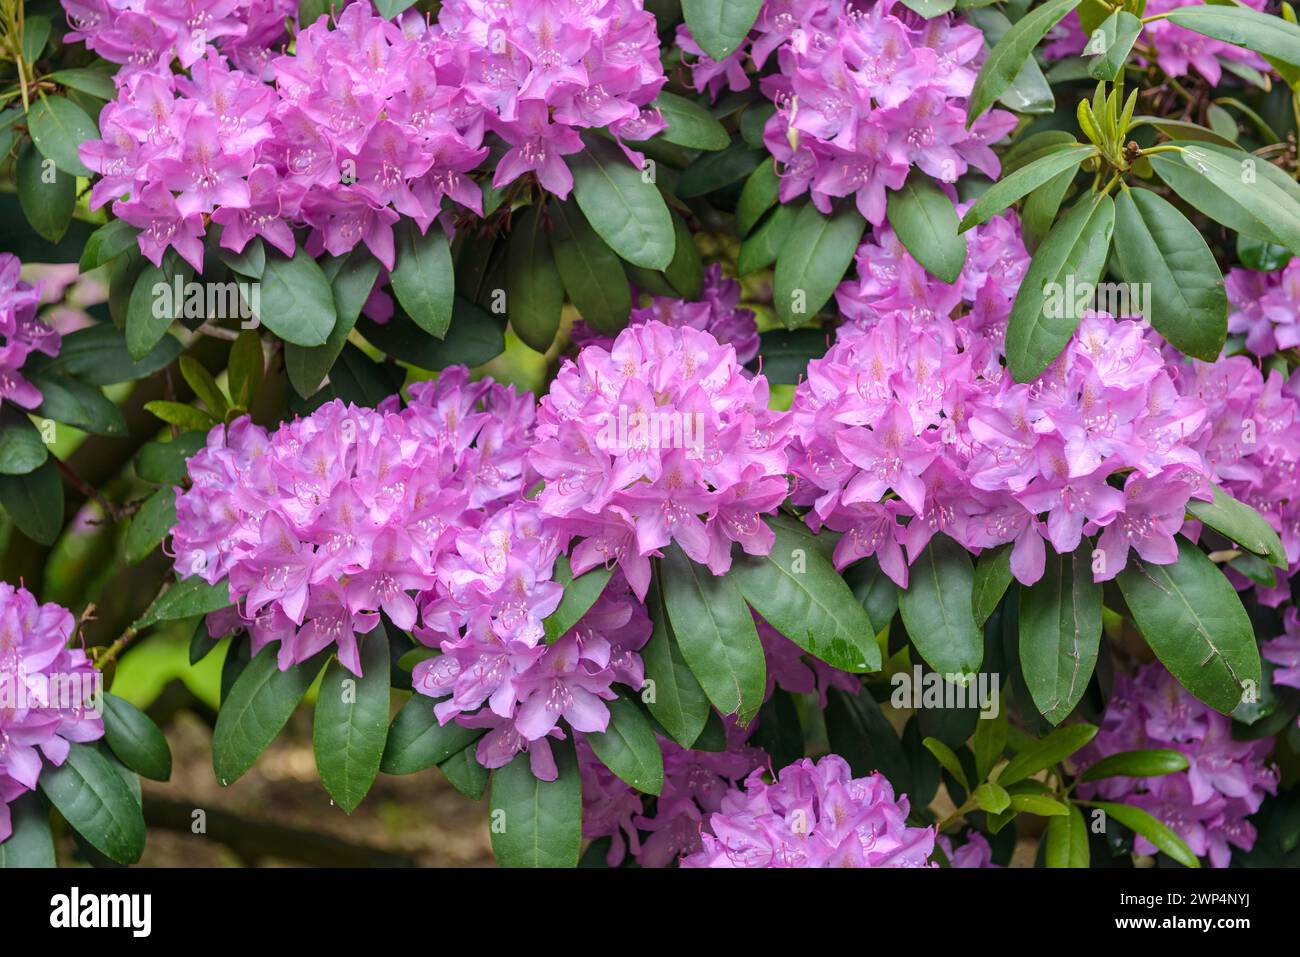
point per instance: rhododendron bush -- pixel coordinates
(716, 433)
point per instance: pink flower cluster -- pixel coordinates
(1224, 783)
(149, 34)
(816, 814)
(974, 852)
(333, 518)
(1284, 651)
(21, 334)
(716, 312)
(1250, 444)
(1266, 307)
(660, 438)
(496, 670)
(541, 70)
(865, 92)
(1177, 49)
(37, 673)
(359, 128)
(919, 422)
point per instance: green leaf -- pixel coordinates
(1039, 804)
(1261, 255)
(760, 249)
(148, 315)
(534, 289)
(297, 303)
(1008, 56)
(108, 241)
(945, 756)
(686, 272)
(465, 774)
(1041, 321)
(759, 194)
(1239, 523)
(1060, 632)
(48, 205)
(34, 502)
(1154, 830)
(1053, 161)
(625, 210)
(938, 608)
(36, 33)
(97, 803)
(388, 9)
(787, 352)
(187, 598)
(1267, 197)
(720, 26)
(1193, 620)
(930, 8)
(716, 634)
(924, 218)
(163, 463)
(205, 387)
(81, 406)
(150, 525)
(858, 731)
(1067, 839)
(473, 339)
(992, 798)
(58, 126)
(798, 592)
(672, 693)
(136, 740)
(690, 124)
(352, 278)
(715, 171)
(813, 260)
(1243, 27)
(579, 595)
(250, 263)
(31, 844)
(417, 741)
(1040, 755)
(1109, 45)
(179, 414)
(537, 823)
(350, 728)
(97, 355)
(1157, 246)
(592, 274)
(990, 740)
(1029, 91)
(423, 278)
(246, 367)
(1136, 764)
(22, 450)
(992, 577)
(258, 706)
(628, 747)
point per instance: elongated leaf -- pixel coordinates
(58, 126)
(716, 634)
(1067, 840)
(1039, 804)
(1055, 160)
(992, 576)
(351, 280)
(592, 274)
(1010, 53)
(417, 741)
(1243, 27)
(537, 823)
(625, 210)
(719, 26)
(988, 743)
(937, 609)
(926, 223)
(46, 200)
(1029, 91)
(96, 801)
(97, 355)
(136, 740)
(579, 595)
(74, 403)
(297, 303)
(187, 598)
(351, 723)
(629, 749)
(1156, 245)
(34, 502)
(258, 706)
(1060, 631)
(798, 591)
(534, 290)
(761, 247)
(1042, 317)
(1268, 197)
(813, 260)
(22, 450)
(1040, 755)
(673, 694)
(1193, 620)
(1109, 45)
(690, 124)
(1154, 830)
(758, 196)
(859, 732)
(1240, 523)
(423, 279)
(31, 844)
(948, 759)
(992, 798)
(1136, 764)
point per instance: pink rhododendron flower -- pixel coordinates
(21, 334)
(1265, 307)
(37, 673)
(1225, 782)
(1284, 651)
(815, 814)
(660, 439)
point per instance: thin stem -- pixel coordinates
(88, 490)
